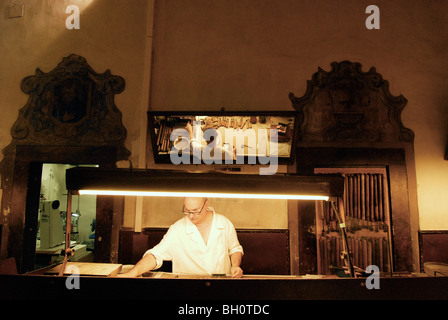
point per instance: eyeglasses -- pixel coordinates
(195, 212)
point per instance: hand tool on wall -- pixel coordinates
(346, 253)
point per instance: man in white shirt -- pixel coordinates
(202, 242)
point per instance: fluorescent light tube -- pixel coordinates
(202, 194)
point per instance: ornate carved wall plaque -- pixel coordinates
(71, 105)
(347, 104)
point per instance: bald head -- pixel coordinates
(192, 204)
(200, 208)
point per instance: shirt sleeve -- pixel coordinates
(162, 250)
(232, 238)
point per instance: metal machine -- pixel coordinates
(50, 224)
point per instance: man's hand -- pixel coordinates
(236, 272)
(147, 263)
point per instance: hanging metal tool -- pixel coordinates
(345, 254)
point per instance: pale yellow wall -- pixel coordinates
(250, 54)
(242, 55)
(111, 36)
(244, 213)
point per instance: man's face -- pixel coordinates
(195, 209)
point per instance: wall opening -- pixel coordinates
(51, 225)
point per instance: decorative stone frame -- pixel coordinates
(349, 118)
(70, 117)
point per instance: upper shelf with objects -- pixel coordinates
(202, 137)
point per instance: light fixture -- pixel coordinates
(206, 195)
(172, 183)
(176, 183)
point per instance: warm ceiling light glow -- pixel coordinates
(207, 195)
(165, 183)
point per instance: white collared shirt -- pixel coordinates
(184, 246)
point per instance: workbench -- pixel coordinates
(168, 286)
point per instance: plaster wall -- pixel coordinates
(248, 55)
(111, 36)
(241, 55)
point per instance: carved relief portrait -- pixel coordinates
(72, 105)
(347, 104)
(71, 100)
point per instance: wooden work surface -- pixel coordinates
(398, 287)
(169, 275)
(89, 269)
